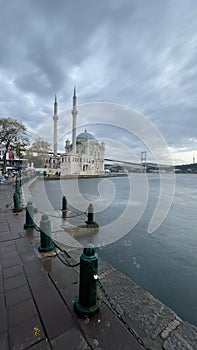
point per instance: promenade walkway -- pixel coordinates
(36, 296)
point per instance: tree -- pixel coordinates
(12, 136)
(38, 153)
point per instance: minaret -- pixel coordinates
(55, 118)
(74, 114)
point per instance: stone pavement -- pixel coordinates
(36, 296)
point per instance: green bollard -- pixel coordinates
(88, 303)
(64, 207)
(90, 222)
(17, 186)
(16, 199)
(90, 213)
(46, 244)
(29, 216)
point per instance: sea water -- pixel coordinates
(163, 262)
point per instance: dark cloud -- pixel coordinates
(142, 54)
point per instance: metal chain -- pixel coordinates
(118, 313)
(73, 216)
(9, 205)
(67, 217)
(66, 263)
(61, 259)
(37, 228)
(106, 295)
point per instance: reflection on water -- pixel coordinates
(163, 262)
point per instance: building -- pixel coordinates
(84, 156)
(13, 162)
(88, 158)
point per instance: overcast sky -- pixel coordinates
(136, 53)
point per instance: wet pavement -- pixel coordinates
(37, 295)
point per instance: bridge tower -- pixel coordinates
(143, 162)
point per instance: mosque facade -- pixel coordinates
(84, 155)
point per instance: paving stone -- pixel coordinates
(12, 271)
(3, 321)
(3, 219)
(43, 345)
(1, 286)
(55, 314)
(183, 338)
(3, 226)
(2, 301)
(172, 325)
(18, 295)
(23, 244)
(67, 281)
(14, 225)
(10, 255)
(4, 341)
(72, 340)
(5, 238)
(148, 316)
(14, 282)
(28, 255)
(65, 275)
(24, 335)
(105, 331)
(4, 231)
(36, 273)
(8, 246)
(11, 262)
(19, 313)
(8, 237)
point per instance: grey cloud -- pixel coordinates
(141, 54)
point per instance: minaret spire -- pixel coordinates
(55, 106)
(74, 114)
(55, 118)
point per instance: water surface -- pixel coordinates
(164, 262)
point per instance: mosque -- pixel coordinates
(84, 156)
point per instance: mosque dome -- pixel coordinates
(85, 135)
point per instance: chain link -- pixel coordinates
(66, 263)
(67, 217)
(118, 313)
(37, 228)
(9, 205)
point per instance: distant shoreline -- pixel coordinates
(67, 177)
(53, 177)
